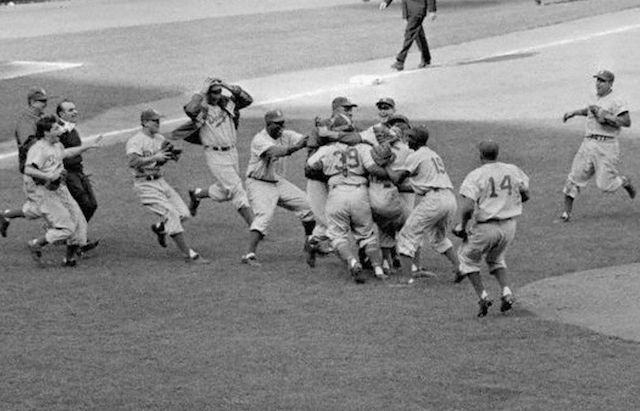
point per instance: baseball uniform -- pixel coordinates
(495, 189)
(266, 186)
(152, 189)
(432, 216)
(63, 215)
(348, 209)
(599, 153)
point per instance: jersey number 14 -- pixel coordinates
(505, 184)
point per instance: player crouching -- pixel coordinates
(147, 152)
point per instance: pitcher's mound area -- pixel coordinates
(605, 300)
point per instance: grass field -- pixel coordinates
(133, 327)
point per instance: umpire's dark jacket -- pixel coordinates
(416, 7)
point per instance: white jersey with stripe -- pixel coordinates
(495, 188)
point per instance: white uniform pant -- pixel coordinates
(159, 197)
(595, 158)
(265, 196)
(488, 240)
(431, 218)
(227, 184)
(63, 216)
(317, 193)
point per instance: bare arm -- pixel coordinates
(579, 112)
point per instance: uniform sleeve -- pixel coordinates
(470, 188)
(368, 136)
(524, 179)
(134, 147)
(620, 107)
(35, 157)
(291, 138)
(260, 145)
(315, 161)
(364, 150)
(410, 164)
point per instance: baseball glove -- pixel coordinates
(459, 232)
(174, 153)
(53, 185)
(382, 154)
(384, 134)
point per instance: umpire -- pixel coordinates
(414, 11)
(77, 181)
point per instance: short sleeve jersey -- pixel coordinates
(219, 129)
(495, 189)
(45, 157)
(269, 169)
(610, 103)
(343, 164)
(144, 146)
(426, 171)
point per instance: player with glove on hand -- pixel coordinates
(599, 153)
(62, 213)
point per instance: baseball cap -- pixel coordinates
(342, 102)
(273, 116)
(398, 118)
(605, 75)
(388, 101)
(150, 114)
(37, 94)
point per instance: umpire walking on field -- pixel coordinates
(414, 11)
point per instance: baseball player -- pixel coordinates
(266, 186)
(426, 175)
(599, 153)
(218, 116)
(492, 195)
(338, 127)
(147, 151)
(348, 209)
(44, 166)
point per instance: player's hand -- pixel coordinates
(566, 117)
(96, 143)
(431, 16)
(383, 5)
(161, 156)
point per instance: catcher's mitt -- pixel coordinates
(174, 153)
(382, 154)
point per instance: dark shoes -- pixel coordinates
(357, 273)
(159, 232)
(458, 277)
(310, 246)
(398, 65)
(197, 259)
(507, 303)
(424, 64)
(629, 188)
(194, 202)
(4, 225)
(484, 305)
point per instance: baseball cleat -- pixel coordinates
(197, 259)
(565, 217)
(250, 259)
(310, 249)
(424, 64)
(629, 188)
(69, 262)
(398, 66)
(194, 202)
(507, 303)
(159, 232)
(4, 225)
(87, 247)
(484, 305)
(357, 273)
(36, 252)
(381, 273)
(458, 277)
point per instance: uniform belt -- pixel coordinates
(219, 148)
(493, 220)
(431, 189)
(263, 180)
(348, 185)
(599, 137)
(150, 177)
